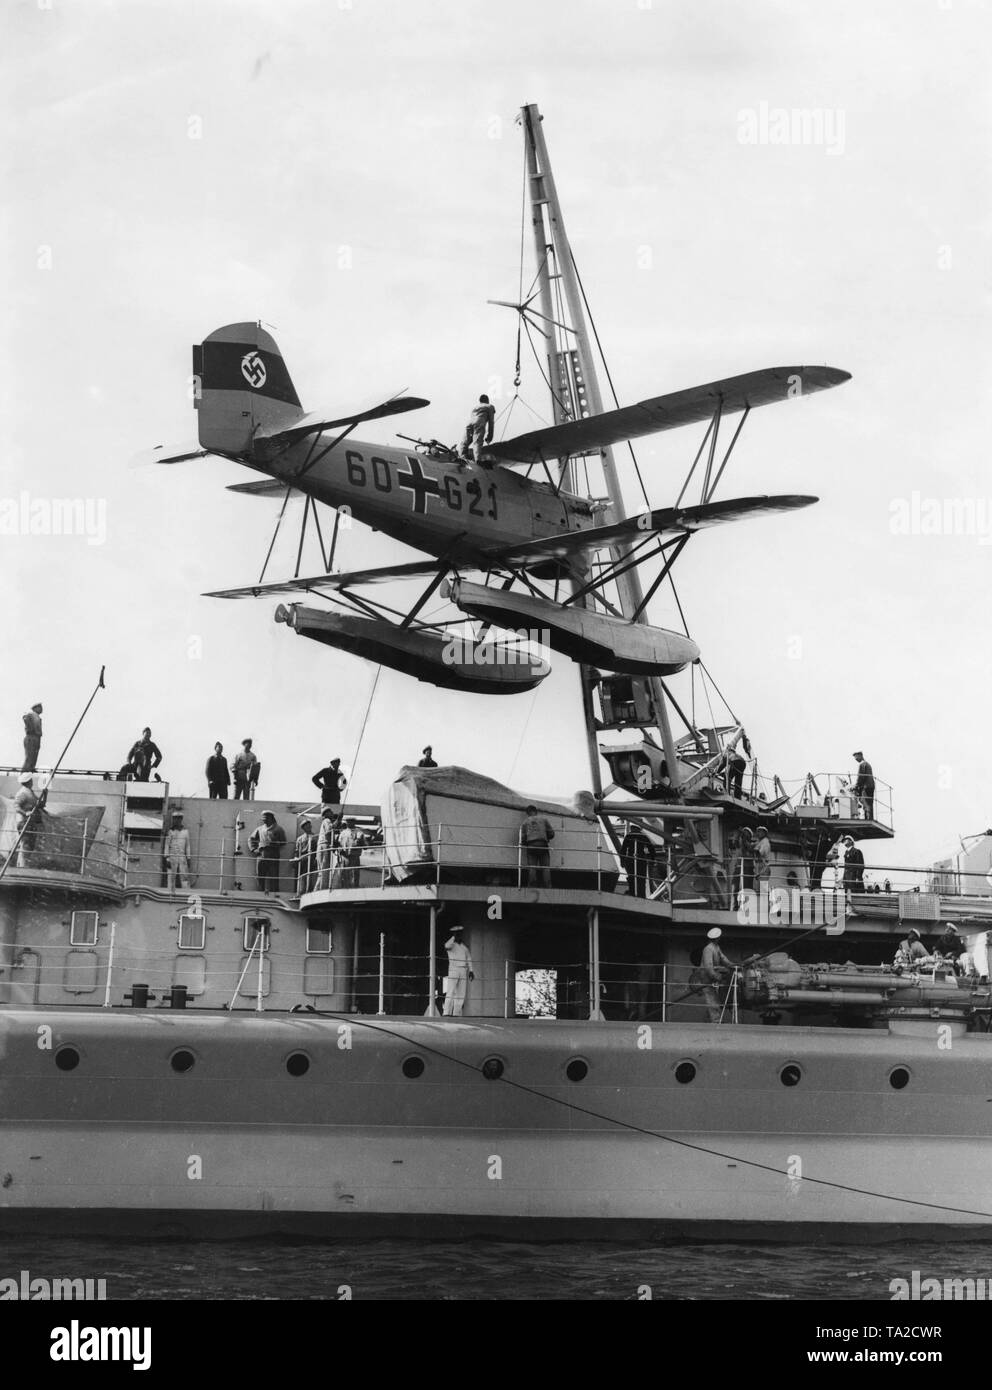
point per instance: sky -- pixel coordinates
(350, 175)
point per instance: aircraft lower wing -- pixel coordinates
(678, 408)
(663, 521)
(317, 582)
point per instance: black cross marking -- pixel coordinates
(419, 483)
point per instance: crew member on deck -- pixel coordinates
(536, 835)
(26, 804)
(950, 944)
(864, 786)
(428, 759)
(762, 857)
(714, 967)
(459, 974)
(735, 772)
(246, 770)
(305, 849)
(854, 866)
(325, 850)
(332, 782)
(177, 854)
(911, 949)
(218, 774)
(32, 738)
(266, 842)
(349, 854)
(144, 756)
(636, 854)
(479, 430)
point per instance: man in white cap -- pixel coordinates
(32, 737)
(177, 853)
(854, 866)
(714, 966)
(26, 805)
(459, 974)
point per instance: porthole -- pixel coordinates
(493, 1068)
(791, 1074)
(577, 1069)
(297, 1064)
(685, 1072)
(899, 1078)
(182, 1060)
(67, 1059)
(413, 1067)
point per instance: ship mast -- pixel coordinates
(572, 370)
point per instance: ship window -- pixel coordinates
(182, 1060)
(493, 1068)
(898, 1078)
(413, 1067)
(83, 928)
(192, 932)
(685, 1072)
(790, 1075)
(319, 941)
(577, 1069)
(67, 1059)
(297, 1064)
(254, 925)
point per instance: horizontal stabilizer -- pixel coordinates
(317, 421)
(169, 453)
(668, 412)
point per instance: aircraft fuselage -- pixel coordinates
(443, 507)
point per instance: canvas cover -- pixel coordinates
(422, 797)
(59, 838)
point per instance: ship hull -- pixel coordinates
(237, 1145)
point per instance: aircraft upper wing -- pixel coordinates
(663, 521)
(318, 420)
(668, 412)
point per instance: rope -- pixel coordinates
(361, 735)
(606, 369)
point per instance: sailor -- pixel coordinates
(218, 774)
(536, 835)
(459, 974)
(762, 856)
(864, 786)
(911, 949)
(32, 738)
(266, 842)
(854, 866)
(428, 759)
(735, 772)
(349, 853)
(479, 430)
(325, 849)
(742, 870)
(304, 858)
(26, 804)
(246, 770)
(636, 854)
(951, 945)
(332, 782)
(144, 756)
(714, 966)
(177, 854)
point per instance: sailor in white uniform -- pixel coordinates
(459, 973)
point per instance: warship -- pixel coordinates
(418, 1019)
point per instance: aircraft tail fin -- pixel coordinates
(243, 388)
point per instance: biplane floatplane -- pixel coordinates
(483, 517)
